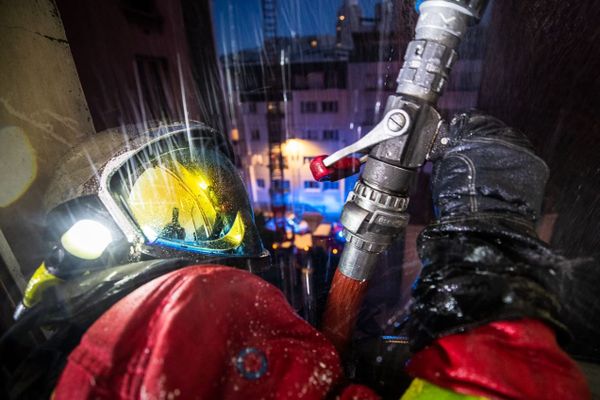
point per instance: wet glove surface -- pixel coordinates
(482, 260)
(488, 168)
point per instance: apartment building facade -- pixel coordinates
(330, 92)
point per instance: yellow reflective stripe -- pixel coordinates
(420, 389)
(39, 282)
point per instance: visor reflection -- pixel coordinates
(178, 206)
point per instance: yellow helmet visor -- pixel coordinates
(185, 198)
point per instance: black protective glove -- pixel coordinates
(481, 259)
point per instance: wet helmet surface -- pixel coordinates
(147, 193)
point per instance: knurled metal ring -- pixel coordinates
(383, 200)
(361, 244)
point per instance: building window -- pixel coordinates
(260, 183)
(277, 185)
(252, 108)
(331, 185)
(311, 185)
(329, 106)
(308, 107)
(255, 134)
(331, 134)
(307, 160)
(311, 134)
(257, 159)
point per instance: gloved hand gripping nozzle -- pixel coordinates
(375, 212)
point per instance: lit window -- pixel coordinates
(256, 159)
(331, 185)
(311, 185)
(314, 43)
(235, 134)
(260, 183)
(331, 134)
(342, 17)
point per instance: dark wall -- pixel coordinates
(542, 75)
(133, 58)
(197, 18)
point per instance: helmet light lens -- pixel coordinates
(86, 239)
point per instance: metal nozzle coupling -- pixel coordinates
(372, 220)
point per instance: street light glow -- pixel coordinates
(293, 146)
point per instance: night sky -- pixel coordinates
(238, 23)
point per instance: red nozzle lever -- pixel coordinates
(340, 169)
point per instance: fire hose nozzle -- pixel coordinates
(375, 213)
